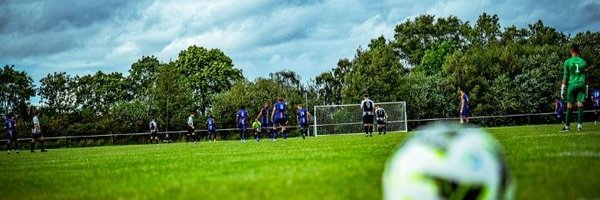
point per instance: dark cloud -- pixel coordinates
(261, 36)
(38, 28)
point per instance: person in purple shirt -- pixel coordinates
(10, 125)
(241, 119)
(278, 117)
(212, 129)
(264, 117)
(303, 119)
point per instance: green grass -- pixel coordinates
(545, 163)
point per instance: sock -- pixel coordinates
(367, 130)
(379, 130)
(32, 145)
(384, 130)
(568, 117)
(42, 144)
(284, 134)
(371, 129)
(303, 134)
(580, 115)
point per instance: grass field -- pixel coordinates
(546, 164)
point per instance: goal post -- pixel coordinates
(347, 118)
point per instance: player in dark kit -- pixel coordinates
(241, 118)
(367, 107)
(559, 109)
(465, 109)
(596, 104)
(303, 119)
(36, 133)
(10, 125)
(279, 119)
(265, 121)
(381, 119)
(212, 129)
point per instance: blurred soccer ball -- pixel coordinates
(448, 162)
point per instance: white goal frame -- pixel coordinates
(402, 119)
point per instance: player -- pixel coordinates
(10, 125)
(381, 119)
(303, 119)
(559, 109)
(153, 130)
(191, 129)
(279, 119)
(36, 133)
(240, 118)
(212, 129)
(265, 121)
(596, 104)
(367, 107)
(465, 108)
(256, 127)
(574, 72)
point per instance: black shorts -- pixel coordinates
(36, 135)
(280, 121)
(153, 134)
(380, 122)
(368, 119)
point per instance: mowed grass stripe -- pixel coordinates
(333, 167)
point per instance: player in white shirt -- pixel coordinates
(191, 134)
(367, 107)
(36, 133)
(153, 131)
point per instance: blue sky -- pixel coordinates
(261, 36)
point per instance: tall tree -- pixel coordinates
(206, 72)
(413, 38)
(375, 71)
(287, 77)
(142, 76)
(57, 91)
(16, 88)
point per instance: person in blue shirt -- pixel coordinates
(596, 104)
(212, 129)
(10, 125)
(241, 118)
(465, 109)
(303, 119)
(559, 109)
(264, 117)
(278, 117)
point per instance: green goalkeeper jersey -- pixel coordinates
(574, 71)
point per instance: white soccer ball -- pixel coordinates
(448, 162)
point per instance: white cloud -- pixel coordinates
(261, 36)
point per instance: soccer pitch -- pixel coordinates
(546, 164)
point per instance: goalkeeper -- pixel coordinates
(574, 70)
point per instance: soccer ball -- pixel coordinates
(446, 161)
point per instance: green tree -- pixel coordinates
(206, 72)
(142, 76)
(57, 91)
(375, 71)
(16, 88)
(413, 38)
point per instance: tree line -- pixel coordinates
(506, 71)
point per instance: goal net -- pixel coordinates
(345, 119)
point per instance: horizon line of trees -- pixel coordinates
(506, 70)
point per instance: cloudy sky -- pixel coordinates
(261, 36)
